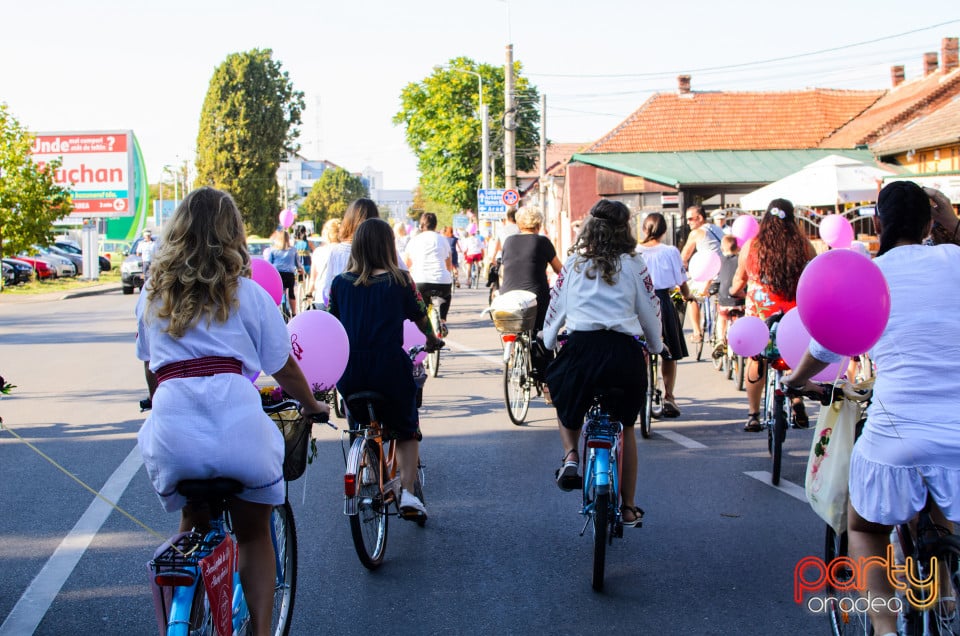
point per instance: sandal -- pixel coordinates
(670, 408)
(800, 417)
(753, 424)
(567, 475)
(637, 520)
(697, 337)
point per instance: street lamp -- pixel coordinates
(484, 132)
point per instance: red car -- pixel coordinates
(40, 267)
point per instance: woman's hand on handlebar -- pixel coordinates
(433, 344)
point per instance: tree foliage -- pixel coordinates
(443, 128)
(248, 124)
(30, 199)
(330, 196)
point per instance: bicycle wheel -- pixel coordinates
(432, 361)
(474, 276)
(284, 534)
(647, 414)
(656, 407)
(840, 604)
(418, 491)
(601, 521)
(704, 323)
(779, 435)
(201, 617)
(740, 365)
(944, 616)
(369, 525)
(516, 390)
(338, 407)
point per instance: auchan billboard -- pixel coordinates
(97, 168)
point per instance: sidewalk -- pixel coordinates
(93, 290)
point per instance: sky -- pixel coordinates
(76, 65)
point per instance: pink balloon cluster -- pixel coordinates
(286, 218)
(320, 346)
(412, 336)
(744, 228)
(836, 231)
(793, 340)
(748, 336)
(267, 276)
(704, 266)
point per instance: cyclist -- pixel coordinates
(729, 307)
(667, 272)
(283, 255)
(472, 253)
(301, 242)
(454, 254)
(768, 268)
(604, 296)
(910, 446)
(428, 257)
(372, 298)
(703, 237)
(329, 235)
(202, 326)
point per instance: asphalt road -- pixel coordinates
(501, 552)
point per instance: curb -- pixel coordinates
(91, 291)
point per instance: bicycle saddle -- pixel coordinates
(209, 489)
(357, 404)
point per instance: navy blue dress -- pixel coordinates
(373, 317)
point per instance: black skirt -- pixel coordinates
(598, 360)
(672, 329)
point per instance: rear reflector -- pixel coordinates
(599, 443)
(174, 579)
(350, 485)
(509, 337)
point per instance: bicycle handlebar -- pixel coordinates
(286, 405)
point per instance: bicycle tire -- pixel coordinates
(418, 491)
(741, 373)
(201, 617)
(284, 532)
(432, 361)
(945, 615)
(647, 414)
(601, 523)
(656, 409)
(842, 623)
(339, 409)
(779, 435)
(369, 525)
(698, 346)
(516, 391)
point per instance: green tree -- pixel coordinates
(248, 124)
(330, 196)
(30, 199)
(441, 116)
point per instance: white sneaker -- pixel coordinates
(410, 505)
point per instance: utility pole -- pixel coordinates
(542, 180)
(485, 137)
(509, 125)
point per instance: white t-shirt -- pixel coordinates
(629, 306)
(145, 250)
(666, 267)
(428, 253)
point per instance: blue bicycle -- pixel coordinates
(602, 448)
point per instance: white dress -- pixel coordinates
(214, 426)
(911, 443)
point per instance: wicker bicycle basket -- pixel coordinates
(514, 321)
(296, 432)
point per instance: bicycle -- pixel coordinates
(519, 379)
(602, 449)
(731, 363)
(654, 403)
(181, 598)
(473, 279)
(708, 320)
(773, 406)
(432, 363)
(371, 481)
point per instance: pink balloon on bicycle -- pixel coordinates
(267, 276)
(704, 266)
(320, 346)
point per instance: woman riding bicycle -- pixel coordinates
(604, 296)
(372, 298)
(769, 267)
(910, 446)
(429, 259)
(203, 326)
(283, 256)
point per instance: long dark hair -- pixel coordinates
(373, 248)
(604, 238)
(904, 212)
(781, 249)
(654, 227)
(357, 212)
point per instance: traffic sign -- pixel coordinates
(490, 205)
(510, 197)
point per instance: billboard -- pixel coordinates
(97, 168)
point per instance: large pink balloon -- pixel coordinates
(836, 231)
(268, 277)
(748, 336)
(412, 336)
(744, 228)
(286, 218)
(792, 342)
(320, 346)
(704, 266)
(843, 301)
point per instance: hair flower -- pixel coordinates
(777, 212)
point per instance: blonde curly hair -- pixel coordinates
(202, 254)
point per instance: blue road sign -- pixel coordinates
(490, 205)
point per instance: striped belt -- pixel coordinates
(198, 368)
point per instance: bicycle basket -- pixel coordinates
(514, 312)
(297, 433)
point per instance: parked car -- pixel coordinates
(55, 251)
(115, 251)
(40, 266)
(9, 274)
(131, 270)
(22, 269)
(62, 267)
(257, 246)
(70, 248)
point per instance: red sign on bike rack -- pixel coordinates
(217, 570)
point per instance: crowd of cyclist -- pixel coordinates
(204, 327)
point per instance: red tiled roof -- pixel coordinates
(896, 108)
(940, 126)
(670, 122)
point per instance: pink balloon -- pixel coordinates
(268, 277)
(704, 266)
(286, 218)
(843, 301)
(792, 342)
(748, 336)
(836, 231)
(320, 346)
(412, 336)
(744, 228)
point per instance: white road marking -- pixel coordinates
(453, 344)
(789, 488)
(683, 440)
(39, 595)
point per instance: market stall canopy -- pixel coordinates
(826, 182)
